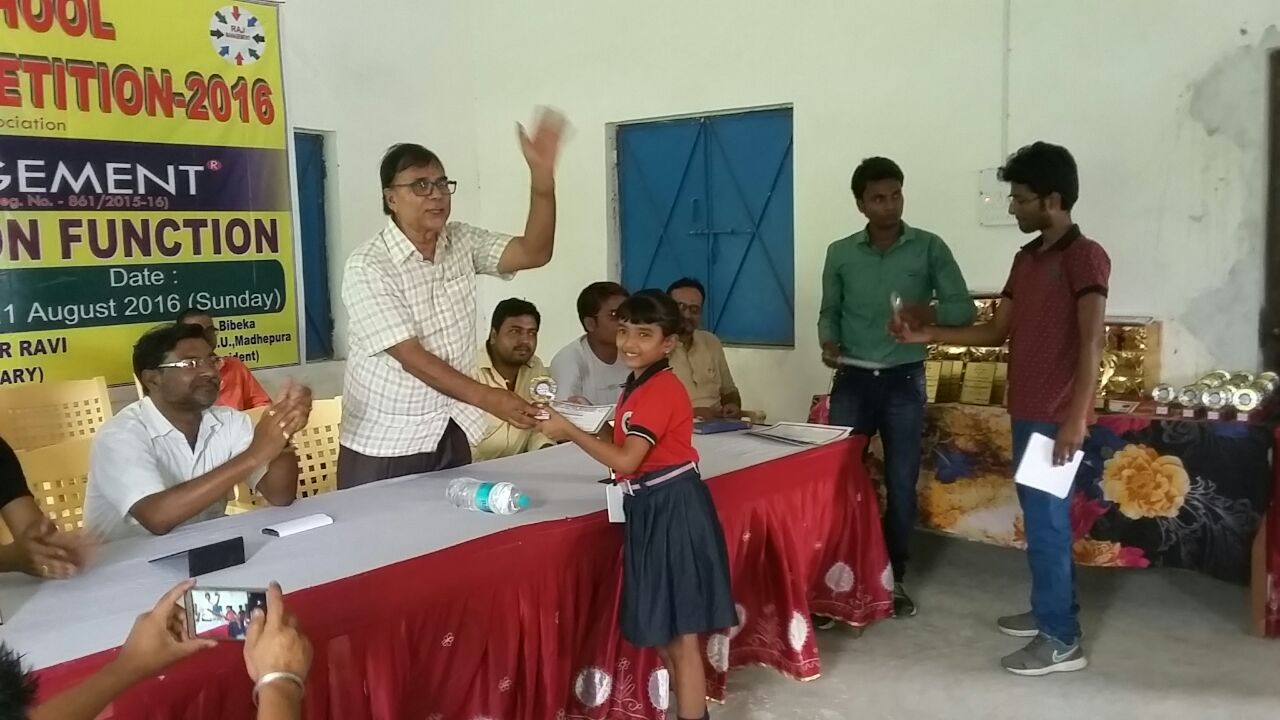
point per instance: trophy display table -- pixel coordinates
(417, 609)
(1151, 491)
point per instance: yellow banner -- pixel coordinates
(143, 171)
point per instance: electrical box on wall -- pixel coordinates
(993, 200)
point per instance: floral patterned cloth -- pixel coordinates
(1171, 493)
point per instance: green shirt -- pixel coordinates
(858, 279)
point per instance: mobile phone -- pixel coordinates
(222, 613)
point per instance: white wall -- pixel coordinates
(1161, 102)
(1169, 129)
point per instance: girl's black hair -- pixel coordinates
(652, 307)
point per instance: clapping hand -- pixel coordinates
(286, 416)
(47, 553)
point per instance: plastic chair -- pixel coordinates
(58, 476)
(316, 446)
(34, 416)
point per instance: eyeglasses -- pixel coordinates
(423, 187)
(211, 362)
(694, 309)
(1024, 200)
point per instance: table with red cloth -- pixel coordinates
(519, 622)
(1151, 491)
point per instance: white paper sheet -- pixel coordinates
(1038, 471)
(613, 501)
(588, 418)
(302, 524)
(803, 433)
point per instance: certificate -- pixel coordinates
(588, 418)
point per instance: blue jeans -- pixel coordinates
(1047, 521)
(889, 402)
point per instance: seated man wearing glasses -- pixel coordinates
(411, 403)
(173, 457)
(240, 389)
(699, 359)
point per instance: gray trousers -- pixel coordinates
(355, 469)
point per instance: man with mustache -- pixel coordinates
(411, 403)
(173, 457)
(508, 362)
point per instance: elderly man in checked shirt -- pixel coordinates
(410, 402)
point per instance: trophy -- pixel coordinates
(542, 390)
(1215, 378)
(1106, 370)
(1164, 394)
(895, 304)
(1189, 396)
(1252, 395)
(1247, 399)
(1240, 379)
(1217, 399)
(1268, 380)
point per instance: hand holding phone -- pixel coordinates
(275, 644)
(222, 613)
(157, 639)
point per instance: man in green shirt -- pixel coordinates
(879, 383)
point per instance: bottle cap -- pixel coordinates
(522, 501)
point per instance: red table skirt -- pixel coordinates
(523, 623)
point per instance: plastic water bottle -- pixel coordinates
(500, 498)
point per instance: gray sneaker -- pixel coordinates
(1043, 656)
(1023, 625)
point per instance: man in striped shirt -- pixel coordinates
(411, 403)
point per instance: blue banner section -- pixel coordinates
(59, 175)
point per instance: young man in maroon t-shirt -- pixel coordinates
(1051, 313)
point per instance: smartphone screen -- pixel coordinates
(218, 613)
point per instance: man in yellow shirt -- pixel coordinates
(507, 361)
(699, 359)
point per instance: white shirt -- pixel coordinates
(393, 294)
(577, 371)
(139, 453)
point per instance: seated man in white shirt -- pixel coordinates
(588, 370)
(508, 361)
(174, 457)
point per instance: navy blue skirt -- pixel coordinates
(675, 569)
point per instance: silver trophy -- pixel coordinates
(542, 390)
(1164, 394)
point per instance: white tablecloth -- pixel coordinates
(374, 526)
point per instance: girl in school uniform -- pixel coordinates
(675, 579)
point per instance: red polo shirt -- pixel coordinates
(1044, 343)
(240, 389)
(656, 407)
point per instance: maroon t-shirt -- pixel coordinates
(656, 407)
(1044, 344)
